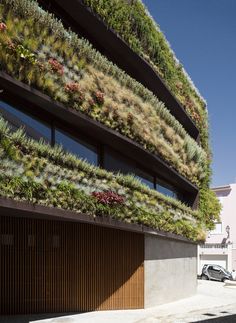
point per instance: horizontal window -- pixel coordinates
(165, 190)
(144, 178)
(119, 164)
(33, 128)
(115, 163)
(112, 161)
(76, 146)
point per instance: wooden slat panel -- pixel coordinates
(52, 266)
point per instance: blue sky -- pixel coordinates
(203, 35)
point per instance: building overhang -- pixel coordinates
(15, 208)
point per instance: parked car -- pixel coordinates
(215, 272)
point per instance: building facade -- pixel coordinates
(220, 246)
(102, 156)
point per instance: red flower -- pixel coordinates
(72, 87)
(99, 97)
(108, 198)
(56, 66)
(74, 90)
(3, 26)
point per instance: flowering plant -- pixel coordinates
(99, 97)
(108, 198)
(56, 66)
(75, 92)
(72, 87)
(3, 26)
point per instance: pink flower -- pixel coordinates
(72, 87)
(75, 92)
(108, 198)
(56, 66)
(99, 97)
(3, 26)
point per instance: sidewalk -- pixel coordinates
(213, 302)
(211, 299)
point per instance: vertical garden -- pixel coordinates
(37, 50)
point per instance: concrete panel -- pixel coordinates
(170, 270)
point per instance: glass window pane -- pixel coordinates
(78, 147)
(33, 128)
(145, 181)
(165, 191)
(116, 163)
(144, 177)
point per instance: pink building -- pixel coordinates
(220, 246)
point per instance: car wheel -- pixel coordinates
(204, 277)
(223, 280)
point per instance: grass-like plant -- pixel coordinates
(132, 21)
(36, 172)
(51, 59)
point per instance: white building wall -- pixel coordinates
(217, 255)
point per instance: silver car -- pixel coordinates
(215, 272)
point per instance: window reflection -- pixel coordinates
(17, 119)
(165, 191)
(145, 178)
(77, 147)
(116, 163)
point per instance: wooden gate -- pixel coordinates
(53, 266)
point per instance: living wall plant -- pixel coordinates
(36, 172)
(132, 21)
(36, 49)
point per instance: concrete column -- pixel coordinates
(170, 270)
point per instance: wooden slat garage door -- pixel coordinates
(51, 266)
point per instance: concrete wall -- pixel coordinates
(170, 270)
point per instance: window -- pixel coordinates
(218, 228)
(112, 161)
(78, 147)
(119, 164)
(144, 178)
(33, 128)
(165, 191)
(115, 163)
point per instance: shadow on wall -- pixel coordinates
(157, 248)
